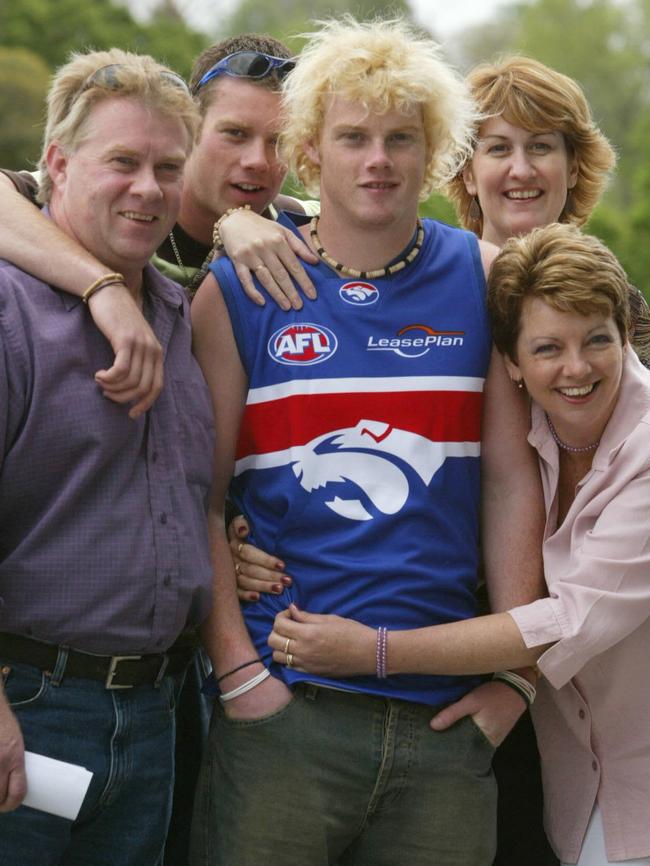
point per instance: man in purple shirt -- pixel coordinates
(104, 559)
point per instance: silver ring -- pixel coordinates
(289, 660)
(258, 268)
(286, 646)
(239, 548)
(237, 568)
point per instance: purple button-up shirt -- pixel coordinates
(103, 540)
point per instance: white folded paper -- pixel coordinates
(55, 786)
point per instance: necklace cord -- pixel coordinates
(192, 284)
(409, 256)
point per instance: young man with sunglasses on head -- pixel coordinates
(105, 561)
(233, 165)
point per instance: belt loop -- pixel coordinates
(161, 672)
(60, 665)
(311, 692)
(204, 662)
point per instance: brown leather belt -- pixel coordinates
(116, 672)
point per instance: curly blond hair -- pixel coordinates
(383, 65)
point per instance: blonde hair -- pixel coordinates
(571, 271)
(71, 97)
(384, 65)
(529, 94)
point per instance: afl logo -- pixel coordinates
(302, 344)
(359, 294)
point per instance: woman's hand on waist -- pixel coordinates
(323, 644)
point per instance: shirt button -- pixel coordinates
(163, 518)
(582, 714)
(594, 765)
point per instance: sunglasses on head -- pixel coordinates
(109, 77)
(248, 64)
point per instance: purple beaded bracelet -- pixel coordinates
(382, 651)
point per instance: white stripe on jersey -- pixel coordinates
(370, 384)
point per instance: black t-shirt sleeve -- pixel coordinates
(24, 182)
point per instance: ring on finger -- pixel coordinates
(239, 548)
(286, 647)
(237, 568)
(289, 660)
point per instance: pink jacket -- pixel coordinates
(592, 713)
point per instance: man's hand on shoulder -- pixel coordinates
(137, 372)
(271, 252)
(13, 782)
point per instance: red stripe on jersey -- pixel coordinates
(440, 416)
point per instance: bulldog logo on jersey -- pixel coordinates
(367, 461)
(302, 344)
(359, 294)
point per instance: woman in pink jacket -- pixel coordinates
(560, 312)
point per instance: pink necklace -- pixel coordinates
(574, 449)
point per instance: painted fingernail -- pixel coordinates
(276, 587)
(287, 581)
(279, 565)
(241, 530)
(254, 596)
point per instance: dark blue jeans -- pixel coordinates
(126, 738)
(193, 711)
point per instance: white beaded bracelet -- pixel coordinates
(245, 687)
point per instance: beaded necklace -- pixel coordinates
(573, 449)
(366, 275)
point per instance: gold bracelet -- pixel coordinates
(101, 283)
(217, 243)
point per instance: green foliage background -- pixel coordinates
(604, 44)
